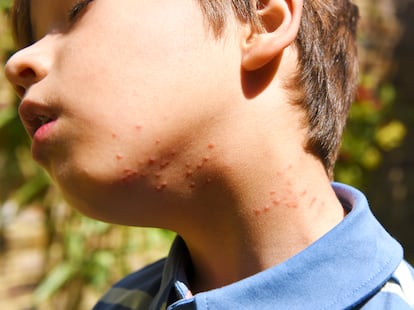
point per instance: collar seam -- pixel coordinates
(361, 286)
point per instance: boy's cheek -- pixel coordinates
(141, 173)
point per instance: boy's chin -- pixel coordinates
(111, 203)
(104, 208)
(120, 196)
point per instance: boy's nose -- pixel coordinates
(26, 67)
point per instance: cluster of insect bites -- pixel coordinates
(155, 166)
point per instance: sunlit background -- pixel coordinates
(53, 258)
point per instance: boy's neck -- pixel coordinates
(263, 221)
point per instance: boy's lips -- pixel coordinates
(34, 116)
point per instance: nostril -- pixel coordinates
(25, 78)
(27, 73)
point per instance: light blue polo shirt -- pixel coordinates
(357, 265)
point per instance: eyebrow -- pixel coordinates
(21, 23)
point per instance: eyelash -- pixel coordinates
(77, 9)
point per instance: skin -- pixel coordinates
(158, 123)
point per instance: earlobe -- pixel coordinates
(281, 20)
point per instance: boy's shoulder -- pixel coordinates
(398, 291)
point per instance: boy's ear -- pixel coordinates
(281, 20)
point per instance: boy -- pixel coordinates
(221, 121)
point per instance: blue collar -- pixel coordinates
(338, 271)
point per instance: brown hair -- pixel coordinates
(21, 23)
(326, 78)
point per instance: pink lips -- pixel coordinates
(42, 132)
(37, 118)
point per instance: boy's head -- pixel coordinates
(326, 77)
(138, 103)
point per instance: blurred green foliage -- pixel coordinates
(4, 5)
(84, 254)
(371, 131)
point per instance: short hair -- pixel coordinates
(21, 23)
(326, 79)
